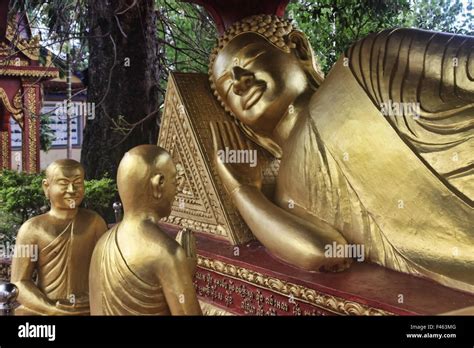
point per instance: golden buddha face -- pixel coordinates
(258, 81)
(64, 184)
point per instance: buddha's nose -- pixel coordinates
(243, 80)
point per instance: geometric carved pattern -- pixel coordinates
(30, 136)
(203, 205)
(5, 149)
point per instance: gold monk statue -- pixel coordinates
(136, 268)
(379, 154)
(58, 245)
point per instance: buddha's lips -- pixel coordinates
(253, 96)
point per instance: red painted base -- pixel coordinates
(247, 280)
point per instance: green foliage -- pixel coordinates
(21, 194)
(22, 197)
(333, 25)
(441, 15)
(9, 225)
(187, 36)
(100, 195)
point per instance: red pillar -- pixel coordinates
(30, 147)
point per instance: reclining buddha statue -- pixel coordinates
(378, 153)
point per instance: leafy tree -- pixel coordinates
(333, 25)
(441, 15)
(100, 195)
(21, 194)
(187, 35)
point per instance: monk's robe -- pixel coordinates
(118, 290)
(63, 269)
(400, 185)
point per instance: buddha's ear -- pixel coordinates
(45, 185)
(301, 45)
(157, 183)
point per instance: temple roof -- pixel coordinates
(20, 50)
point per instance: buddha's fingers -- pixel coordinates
(230, 131)
(224, 136)
(216, 138)
(241, 140)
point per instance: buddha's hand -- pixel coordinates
(235, 157)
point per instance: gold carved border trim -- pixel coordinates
(29, 72)
(33, 130)
(327, 302)
(209, 309)
(5, 162)
(14, 109)
(6, 102)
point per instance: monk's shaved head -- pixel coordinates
(137, 168)
(136, 164)
(51, 170)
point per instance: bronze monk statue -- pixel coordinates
(377, 154)
(57, 245)
(136, 268)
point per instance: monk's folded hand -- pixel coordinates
(187, 240)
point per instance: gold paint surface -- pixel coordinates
(202, 205)
(136, 268)
(57, 246)
(351, 174)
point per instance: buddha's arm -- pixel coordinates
(433, 69)
(22, 272)
(292, 239)
(176, 278)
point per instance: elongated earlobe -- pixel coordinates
(157, 185)
(45, 185)
(303, 51)
(301, 45)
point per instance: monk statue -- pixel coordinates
(378, 154)
(58, 246)
(136, 268)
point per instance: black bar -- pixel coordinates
(243, 330)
